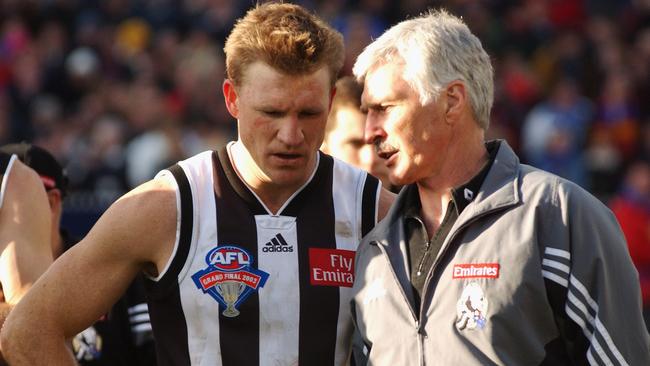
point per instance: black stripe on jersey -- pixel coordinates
(164, 298)
(369, 204)
(239, 336)
(319, 305)
(236, 184)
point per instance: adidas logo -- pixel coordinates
(277, 244)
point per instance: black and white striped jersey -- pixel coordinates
(245, 287)
(6, 162)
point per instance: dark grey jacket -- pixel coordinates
(534, 271)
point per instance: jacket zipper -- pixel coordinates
(416, 322)
(426, 252)
(392, 271)
(426, 249)
(442, 254)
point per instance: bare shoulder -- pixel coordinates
(141, 225)
(24, 197)
(22, 181)
(386, 199)
(155, 196)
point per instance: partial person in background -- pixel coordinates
(24, 232)
(555, 130)
(248, 250)
(123, 336)
(344, 132)
(481, 259)
(632, 209)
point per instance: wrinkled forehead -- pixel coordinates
(384, 81)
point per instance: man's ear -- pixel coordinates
(230, 96)
(456, 100)
(55, 197)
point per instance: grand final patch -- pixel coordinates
(229, 278)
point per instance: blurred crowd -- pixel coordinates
(118, 89)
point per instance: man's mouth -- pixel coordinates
(288, 157)
(384, 150)
(386, 154)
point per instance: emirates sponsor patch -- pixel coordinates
(476, 270)
(331, 267)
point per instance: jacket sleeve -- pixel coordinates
(594, 288)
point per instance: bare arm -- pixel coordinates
(386, 199)
(136, 233)
(25, 222)
(24, 233)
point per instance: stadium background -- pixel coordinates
(119, 89)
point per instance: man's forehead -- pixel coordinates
(260, 71)
(383, 81)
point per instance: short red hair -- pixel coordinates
(285, 36)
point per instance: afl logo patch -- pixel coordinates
(229, 277)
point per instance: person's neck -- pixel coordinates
(465, 159)
(272, 195)
(57, 245)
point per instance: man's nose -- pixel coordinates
(373, 130)
(290, 132)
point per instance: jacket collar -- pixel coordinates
(499, 190)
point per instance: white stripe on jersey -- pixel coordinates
(348, 235)
(140, 308)
(280, 297)
(201, 311)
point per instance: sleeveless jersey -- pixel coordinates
(6, 162)
(247, 288)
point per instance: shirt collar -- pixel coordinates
(462, 195)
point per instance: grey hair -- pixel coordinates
(437, 48)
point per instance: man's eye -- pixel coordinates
(380, 108)
(273, 114)
(309, 114)
(357, 144)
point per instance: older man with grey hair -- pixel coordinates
(481, 260)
